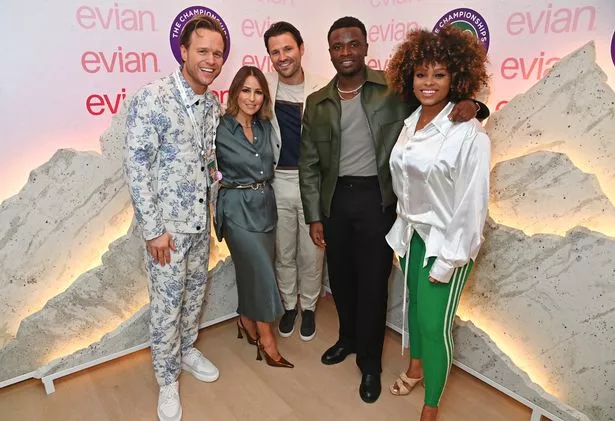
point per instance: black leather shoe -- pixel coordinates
(336, 354)
(370, 387)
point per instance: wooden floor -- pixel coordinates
(249, 390)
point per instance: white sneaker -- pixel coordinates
(169, 406)
(200, 367)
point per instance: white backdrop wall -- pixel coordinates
(68, 65)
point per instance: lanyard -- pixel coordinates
(208, 151)
(197, 132)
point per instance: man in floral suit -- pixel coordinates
(171, 129)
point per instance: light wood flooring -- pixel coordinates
(249, 390)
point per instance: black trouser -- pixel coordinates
(360, 262)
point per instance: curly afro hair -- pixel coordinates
(463, 55)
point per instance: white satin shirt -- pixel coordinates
(441, 179)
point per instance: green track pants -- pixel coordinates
(431, 313)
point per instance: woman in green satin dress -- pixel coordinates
(246, 210)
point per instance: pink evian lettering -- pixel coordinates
(119, 62)
(526, 68)
(116, 18)
(550, 20)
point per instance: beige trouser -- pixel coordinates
(299, 263)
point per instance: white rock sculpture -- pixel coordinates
(58, 226)
(572, 111)
(551, 301)
(544, 192)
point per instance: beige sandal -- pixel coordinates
(403, 385)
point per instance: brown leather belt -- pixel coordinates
(281, 167)
(254, 186)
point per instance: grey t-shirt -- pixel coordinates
(357, 151)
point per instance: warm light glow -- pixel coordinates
(88, 262)
(218, 251)
(120, 226)
(508, 344)
(555, 227)
(500, 216)
(95, 334)
(58, 278)
(560, 226)
(82, 260)
(517, 352)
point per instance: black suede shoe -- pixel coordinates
(308, 325)
(336, 354)
(370, 387)
(287, 323)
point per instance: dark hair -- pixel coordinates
(347, 22)
(280, 28)
(200, 22)
(462, 53)
(232, 106)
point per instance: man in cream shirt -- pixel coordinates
(299, 263)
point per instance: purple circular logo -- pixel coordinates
(466, 20)
(182, 19)
(613, 48)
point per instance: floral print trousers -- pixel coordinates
(176, 292)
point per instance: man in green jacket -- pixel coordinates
(349, 129)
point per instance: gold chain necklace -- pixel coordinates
(352, 92)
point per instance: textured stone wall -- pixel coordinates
(555, 294)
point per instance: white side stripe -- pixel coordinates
(458, 282)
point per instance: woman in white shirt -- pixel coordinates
(440, 173)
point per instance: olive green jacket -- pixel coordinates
(319, 158)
